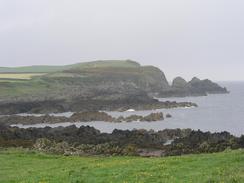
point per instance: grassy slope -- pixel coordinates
(10, 87)
(48, 68)
(31, 69)
(19, 76)
(22, 166)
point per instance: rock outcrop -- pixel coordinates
(79, 105)
(206, 86)
(179, 82)
(77, 117)
(91, 116)
(195, 87)
(89, 141)
(149, 118)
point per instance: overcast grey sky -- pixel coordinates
(183, 37)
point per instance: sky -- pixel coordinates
(187, 38)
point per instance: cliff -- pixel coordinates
(93, 80)
(88, 85)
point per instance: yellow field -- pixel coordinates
(25, 76)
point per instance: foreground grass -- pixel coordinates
(26, 166)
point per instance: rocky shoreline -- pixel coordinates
(77, 105)
(89, 141)
(79, 117)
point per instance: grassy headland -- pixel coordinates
(18, 165)
(58, 80)
(122, 83)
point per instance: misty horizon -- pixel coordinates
(187, 39)
(170, 80)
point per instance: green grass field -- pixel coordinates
(26, 167)
(82, 65)
(19, 76)
(33, 69)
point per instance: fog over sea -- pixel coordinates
(215, 113)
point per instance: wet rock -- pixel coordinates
(133, 118)
(168, 116)
(149, 118)
(140, 102)
(153, 117)
(28, 120)
(91, 116)
(77, 117)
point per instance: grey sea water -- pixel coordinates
(216, 113)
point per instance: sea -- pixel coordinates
(215, 113)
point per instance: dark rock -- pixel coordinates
(77, 117)
(195, 87)
(91, 116)
(88, 140)
(168, 116)
(206, 86)
(153, 117)
(79, 105)
(28, 120)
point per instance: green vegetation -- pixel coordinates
(19, 76)
(32, 69)
(49, 68)
(106, 79)
(107, 63)
(19, 87)
(75, 80)
(11, 80)
(18, 165)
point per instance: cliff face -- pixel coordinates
(100, 85)
(122, 80)
(111, 80)
(206, 86)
